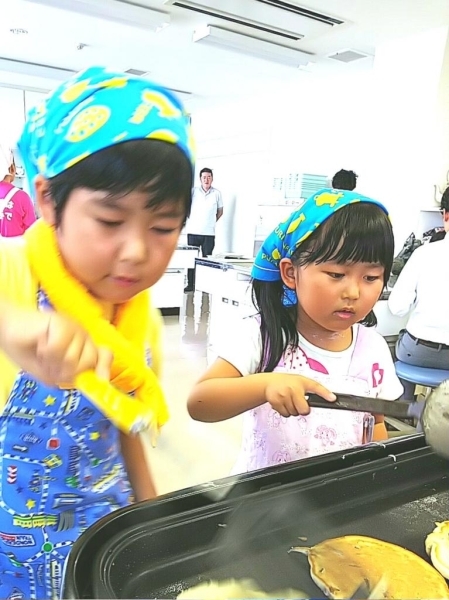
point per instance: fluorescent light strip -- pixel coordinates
(23, 88)
(34, 69)
(113, 10)
(243, 44)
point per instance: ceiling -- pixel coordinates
(73, 41)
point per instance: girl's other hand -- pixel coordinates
(286, 393)
(51, 347)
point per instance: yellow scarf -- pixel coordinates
(126, 339)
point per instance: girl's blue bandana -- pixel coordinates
(289, 234)
(94, 110)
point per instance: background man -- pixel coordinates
(207, 208)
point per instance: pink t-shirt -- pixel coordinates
(16, 213)
(366, 369)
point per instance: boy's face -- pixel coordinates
(115, 246)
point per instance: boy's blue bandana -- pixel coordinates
(94, 110)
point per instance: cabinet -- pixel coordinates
(183, 258)
(209, 279)
(230, 302)
(230, 291)
(168, 292)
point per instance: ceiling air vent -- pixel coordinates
(348, 56)
(136, 72)
(244, 44)
(279, 18)
(286, 34)
(302, 12)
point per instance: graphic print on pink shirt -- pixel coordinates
(327, 435)
(377, 374)
(281, 456)
(297, 363)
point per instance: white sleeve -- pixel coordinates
(219, 200)
(242, 346)
(390, 387)
(403, 294)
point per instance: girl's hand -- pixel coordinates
(50, 347)
(286, 393)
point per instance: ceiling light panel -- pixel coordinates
(34, 69)
(236, 42)
(281, 16)
(118, 11)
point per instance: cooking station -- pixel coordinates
(244, 526)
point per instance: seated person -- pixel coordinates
(422, 290)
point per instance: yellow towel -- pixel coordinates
(126, 339)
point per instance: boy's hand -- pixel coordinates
(51, 347)
(286, 393)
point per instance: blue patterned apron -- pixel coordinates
(61, 470)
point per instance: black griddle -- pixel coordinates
(243, 527)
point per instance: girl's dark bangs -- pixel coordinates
(356, 233)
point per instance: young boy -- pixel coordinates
(110, 160)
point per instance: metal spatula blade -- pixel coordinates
(396, 408)
(432, 415)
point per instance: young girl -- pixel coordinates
(110, 160)
(315, 282)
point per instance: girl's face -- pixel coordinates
(115, 246)
(333, 296)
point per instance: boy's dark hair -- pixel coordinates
(359, 232)
(445, 200)
(344, 180)
(152, 166)
(206, 170)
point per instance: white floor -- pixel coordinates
(189, 452)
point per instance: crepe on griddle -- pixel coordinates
(341, 566)
(437, 547)
(232, 589)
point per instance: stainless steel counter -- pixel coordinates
(213, 283)
(244, 266)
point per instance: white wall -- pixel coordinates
(14, 104)
(441, 145)
(403, 156)
(12, 115)
(312, 127)
(382, 124)
(234, 142)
